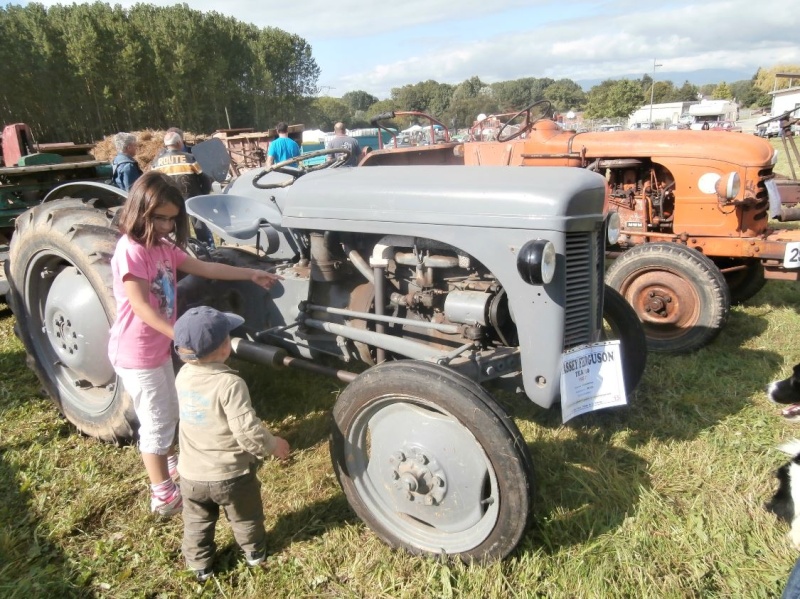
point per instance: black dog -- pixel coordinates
(785, 504)
(786, 391)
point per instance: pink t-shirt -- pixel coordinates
(134, 344)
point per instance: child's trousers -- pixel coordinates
(240, 497)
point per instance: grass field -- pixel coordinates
(661, 499)
(783, 167)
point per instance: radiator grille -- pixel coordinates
(584, 288)
(761, 184)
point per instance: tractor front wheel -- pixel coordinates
(678, 293)
(745, 277)
(621, 322)
(431, 462)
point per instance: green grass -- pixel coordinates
(783, 166)
(662, 499)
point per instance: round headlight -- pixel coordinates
(612, 227)
(728, 185)
(536, 262)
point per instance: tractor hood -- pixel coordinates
(733, 147)
(554, 198)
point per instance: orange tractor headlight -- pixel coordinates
(728, 186)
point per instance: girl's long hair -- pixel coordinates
(151, 190)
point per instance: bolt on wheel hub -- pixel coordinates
(416, 477)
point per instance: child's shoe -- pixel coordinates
(167, 507)
(204, 574)
(255, 558)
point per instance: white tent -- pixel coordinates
(313, 136)
(413, 129)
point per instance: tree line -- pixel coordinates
(458, 105)
(79, 72)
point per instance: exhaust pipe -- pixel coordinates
(259, 353)
(789, 214)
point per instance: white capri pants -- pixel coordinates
(155, 400)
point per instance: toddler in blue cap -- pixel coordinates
(222, 442)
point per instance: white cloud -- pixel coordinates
(715, 35)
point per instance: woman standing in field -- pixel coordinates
(154, 227)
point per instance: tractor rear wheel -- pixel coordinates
(431, 462)
(678, 293)
(61, 295)
(745, 278)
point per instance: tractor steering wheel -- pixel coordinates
(544, 109)
(285, 166)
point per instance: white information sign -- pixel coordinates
(791, 256)
(591, 379)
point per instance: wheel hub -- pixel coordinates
(664, 299)
(657, 305)
(417, 477)
(76, 334)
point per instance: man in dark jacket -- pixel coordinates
(125, 168)
(188, 174)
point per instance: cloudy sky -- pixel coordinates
(376, 45)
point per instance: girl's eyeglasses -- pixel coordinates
(167, 220)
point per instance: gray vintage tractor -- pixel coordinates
(444, 282)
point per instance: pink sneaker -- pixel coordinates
(167, 508)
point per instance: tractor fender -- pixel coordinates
(87, 190)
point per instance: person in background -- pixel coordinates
(342, 140)
(282, 148)
(184, 169)
(125, 168)
(144, 271)
(222, 442)
(706, 126)
(184, 147)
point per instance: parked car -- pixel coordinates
(773, 129)
(725, 126)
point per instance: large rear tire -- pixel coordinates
(678, 293)
(431, 462)
(61, 295)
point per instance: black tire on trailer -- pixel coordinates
(745, 277)
(621, 322)
(61, 295)
(678, 293)
(431, 462)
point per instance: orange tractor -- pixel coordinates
(694, 207)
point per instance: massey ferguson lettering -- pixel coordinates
(588, 360)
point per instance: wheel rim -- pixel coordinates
(667, 304)
(74, 327)
(438, 492)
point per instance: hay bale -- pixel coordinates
(151, 142)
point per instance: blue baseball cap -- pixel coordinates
(201, 330)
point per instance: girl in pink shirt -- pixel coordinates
(154, 228)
